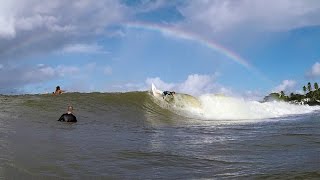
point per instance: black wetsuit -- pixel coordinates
(167, 93)
(68, 118)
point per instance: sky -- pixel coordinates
(245, 48)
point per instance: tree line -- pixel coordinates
(311, 95)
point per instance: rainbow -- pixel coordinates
(179, 33)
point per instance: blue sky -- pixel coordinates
(90, 46)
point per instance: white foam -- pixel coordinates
(231, 108)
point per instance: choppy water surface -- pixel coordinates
(132, 136)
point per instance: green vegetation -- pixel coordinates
(310, 96)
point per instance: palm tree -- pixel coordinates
(309, 86)
(316, 86)
(304, 89)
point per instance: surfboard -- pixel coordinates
(156, 92)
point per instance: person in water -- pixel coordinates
(68, 117)
(58, 91)
(168, 93)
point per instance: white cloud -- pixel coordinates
(48, 22)
(43, 72)
(126, 87)
(262, 15)
(78, 16)
(35, 26)
(18, 76)
(53, 25)
(66, 70)
(286, 85)
(83, 48)
(159, 83)
(6, 28)
(150, 5)
(315, 71)
(253, 95)
(195, 84)
(90, 67)
(107, 70)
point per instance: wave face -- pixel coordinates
(145, 105)
(214, 107)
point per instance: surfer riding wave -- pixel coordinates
(168, 93)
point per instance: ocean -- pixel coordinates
(137, 136)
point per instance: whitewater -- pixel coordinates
(218, 107)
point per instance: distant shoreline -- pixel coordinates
(311, 96)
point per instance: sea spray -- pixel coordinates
(220, 107)
(215, 107)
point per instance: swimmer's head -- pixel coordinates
(70, 108)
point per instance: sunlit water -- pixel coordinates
(132, 136)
